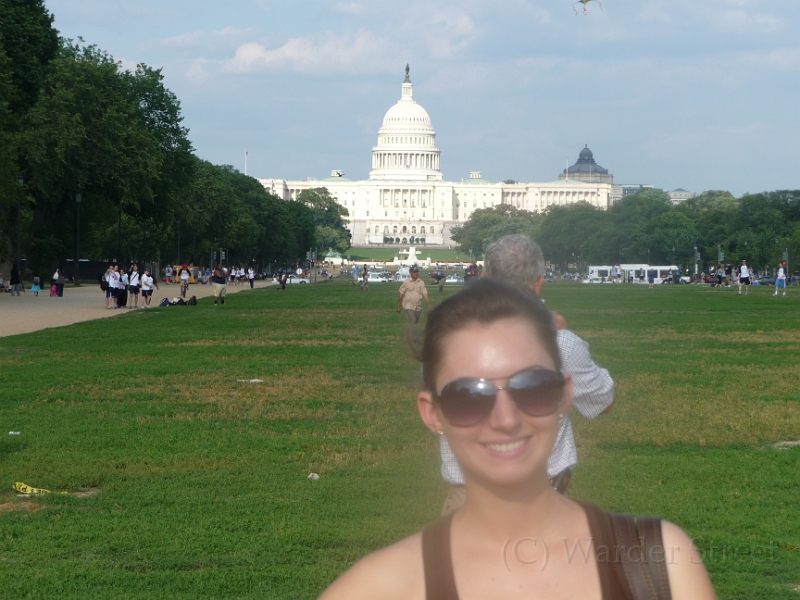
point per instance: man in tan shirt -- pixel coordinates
(411, 294)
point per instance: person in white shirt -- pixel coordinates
(147, 288)
(744, 277)
(133, 286)
(113, 285)
(780, 280)
(251, 275)
(184, 275)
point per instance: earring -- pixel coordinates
(441, 432)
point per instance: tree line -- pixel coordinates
(646, 227)
(82, 137)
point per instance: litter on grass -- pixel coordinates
(24, 488)
(13, 433)
(786, 445)
(313, 476)
(250, 380)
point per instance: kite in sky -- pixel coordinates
(585, 2)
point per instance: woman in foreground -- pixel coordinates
(493, 386)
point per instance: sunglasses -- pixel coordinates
(468, 401)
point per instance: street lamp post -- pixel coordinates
(179, 241)
(76, 274)
(20, 183)
(119, 234)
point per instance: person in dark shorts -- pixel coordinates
(134, 283)
(744, 277)
(147, 288)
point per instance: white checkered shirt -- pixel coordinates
(593, 392)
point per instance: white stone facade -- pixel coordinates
(406, 197)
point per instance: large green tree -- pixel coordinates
(564, 230)
(329, 219)
(113, 134)
(487, 225)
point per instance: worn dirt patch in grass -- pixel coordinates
(652, 407)
(664, 334)
(21, 505)
(269, 343)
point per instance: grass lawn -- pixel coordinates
(435, 254)
(196, 483)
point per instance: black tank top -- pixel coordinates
(440, 583)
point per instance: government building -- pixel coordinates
(406, 199)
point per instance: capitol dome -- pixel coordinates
(406, 147)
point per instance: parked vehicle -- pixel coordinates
(454, 279)
(296, 279)
(377, 278)
(764, 280)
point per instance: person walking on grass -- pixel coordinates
(780, 280)
(147, 288)
(744, 277)
(411, 294)
(365, 280)
(220, 284)
(134, 281)
(720, 277)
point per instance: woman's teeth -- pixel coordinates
(506, 447)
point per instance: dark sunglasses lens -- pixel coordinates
(537, 393)
(467, 402)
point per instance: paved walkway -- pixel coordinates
(28, 313)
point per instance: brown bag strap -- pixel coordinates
(641, 551)
(440, 583)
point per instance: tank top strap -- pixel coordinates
(440, 582)
(613, 584)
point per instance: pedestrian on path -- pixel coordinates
(134, 282)
(37, 285)
(15, 281)
(251, 276)
(58, 276)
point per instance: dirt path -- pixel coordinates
(28, 313)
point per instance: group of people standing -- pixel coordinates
(123, 287)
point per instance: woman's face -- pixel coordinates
(508, 447)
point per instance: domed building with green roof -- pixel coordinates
(586, 169)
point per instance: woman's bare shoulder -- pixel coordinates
(688, 579)
(394, 573)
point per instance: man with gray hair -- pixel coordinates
(518, 261)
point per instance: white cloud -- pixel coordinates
(206, 39)
(327, 53)
(742, 22)
(348, 8)
(127, 65)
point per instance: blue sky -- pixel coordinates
(698, 95)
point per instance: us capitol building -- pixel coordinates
(406, 200)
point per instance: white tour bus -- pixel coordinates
(631, 273)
